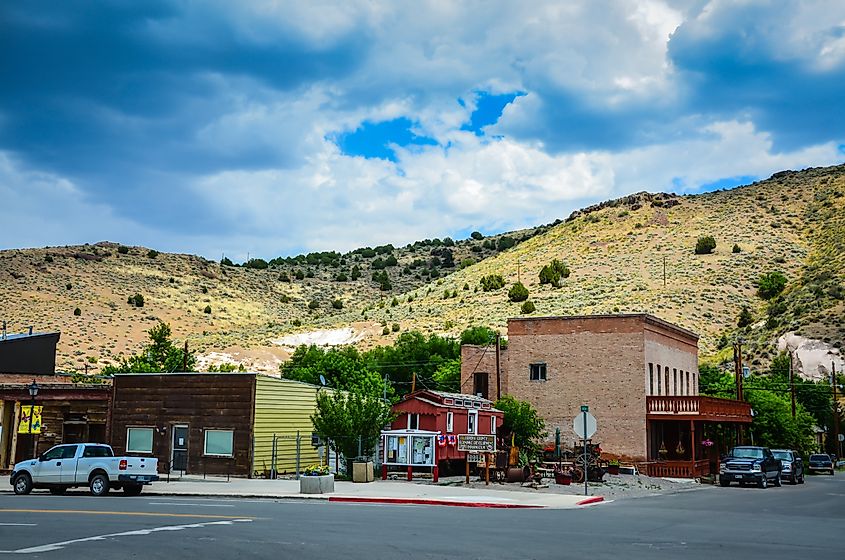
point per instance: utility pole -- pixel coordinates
(835, 410)
(185, 358)
(792, 383)
(738, 369)
(498, 369)
(413, 382)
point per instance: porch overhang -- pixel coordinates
(698, 408)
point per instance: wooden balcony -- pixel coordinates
(678, 469)
(706, 409)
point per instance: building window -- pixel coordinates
(666, 379)
(413, 421)
(675, 380)
(650, 379)
(694, 384)
(688, 393)
(472, 422)
(219, 443)
(537, 372)
(659, 377)
(492, 424)
(139, 440)
(450, 421)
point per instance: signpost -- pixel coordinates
(475, 444)
(584, 425)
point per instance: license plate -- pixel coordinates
(142, 478)
(738, 476)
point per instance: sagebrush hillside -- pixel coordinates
(793, 223)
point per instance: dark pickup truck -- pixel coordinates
(748, 464)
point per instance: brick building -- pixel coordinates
(637, 373)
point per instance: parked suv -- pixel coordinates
(821, 463)
(793, 465)
(750, 464)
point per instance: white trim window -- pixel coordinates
(219, 443)
(139, 440)
(413, 421)
(472, 422)
(537, 372)
(493, 425)
(450, 422)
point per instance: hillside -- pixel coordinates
(793, 222)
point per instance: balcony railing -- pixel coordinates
(704, 408)
(678, 469)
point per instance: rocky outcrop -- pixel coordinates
(813, 358)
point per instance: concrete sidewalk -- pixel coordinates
(388, 491)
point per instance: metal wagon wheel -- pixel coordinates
(577, 474)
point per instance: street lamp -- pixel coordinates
(33, 392)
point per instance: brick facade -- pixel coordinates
(601, 361)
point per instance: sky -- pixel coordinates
(269, 128)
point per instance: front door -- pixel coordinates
(179, 457)
(49, 467)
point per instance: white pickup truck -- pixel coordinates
(84, 464)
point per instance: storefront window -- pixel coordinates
(219, 443)
(139, 440)
(423, 454)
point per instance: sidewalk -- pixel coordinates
(388, 491)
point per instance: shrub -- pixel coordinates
(259, 264)
(299, 275)
(385, 331)
(296, 323)
(152, 253)
(313, 304)
(123, 250)
(395, 327)
(207, 310)
(736, 249)
(77, 312)
(518, 292)
(492, 282)
(356, 272)
(552, 273)
(337, 304)
(226, 261)
(705, 245)
(745, 318)
(137, 300)
(341, 277)
(391, 261)
(204, 290)
(68, 285)
(505, 242)
(528, 307)
(284, 277)
(284, 298)
(770, 285)
(476, 235)
(48, 258)
(394, 302)
(309, 274)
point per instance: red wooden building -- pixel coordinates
(427, 425)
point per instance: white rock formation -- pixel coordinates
(813, 358)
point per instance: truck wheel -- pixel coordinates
(23, 484)
(99, 485)
(763, 482)
(725, 483)
(58, 490)
(777, 480)
(132, 489)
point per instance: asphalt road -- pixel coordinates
(731, 523)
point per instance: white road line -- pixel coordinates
(140, 532)
(18, 524)
(188, 504)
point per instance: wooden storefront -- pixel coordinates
(71, 413)
(197, 423)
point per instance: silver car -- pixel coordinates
(793, 465)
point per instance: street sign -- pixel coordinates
(578, 425)
(585, 408)
(475, 457)
(482, 443)
(841, 437)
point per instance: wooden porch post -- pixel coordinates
(692, 444)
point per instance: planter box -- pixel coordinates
(316, 484)
(362, 472)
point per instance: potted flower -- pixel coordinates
(563, 477)
(316, 479)
(613, 467)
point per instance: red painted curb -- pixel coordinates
(587, 501)
(420, 501)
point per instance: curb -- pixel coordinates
(588, 501)
(428, 502)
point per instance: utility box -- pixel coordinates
(362, 472)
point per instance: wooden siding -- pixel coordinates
(283, 407)
(199, 400)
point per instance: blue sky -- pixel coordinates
(272, 128)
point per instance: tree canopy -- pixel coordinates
(160, 355)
